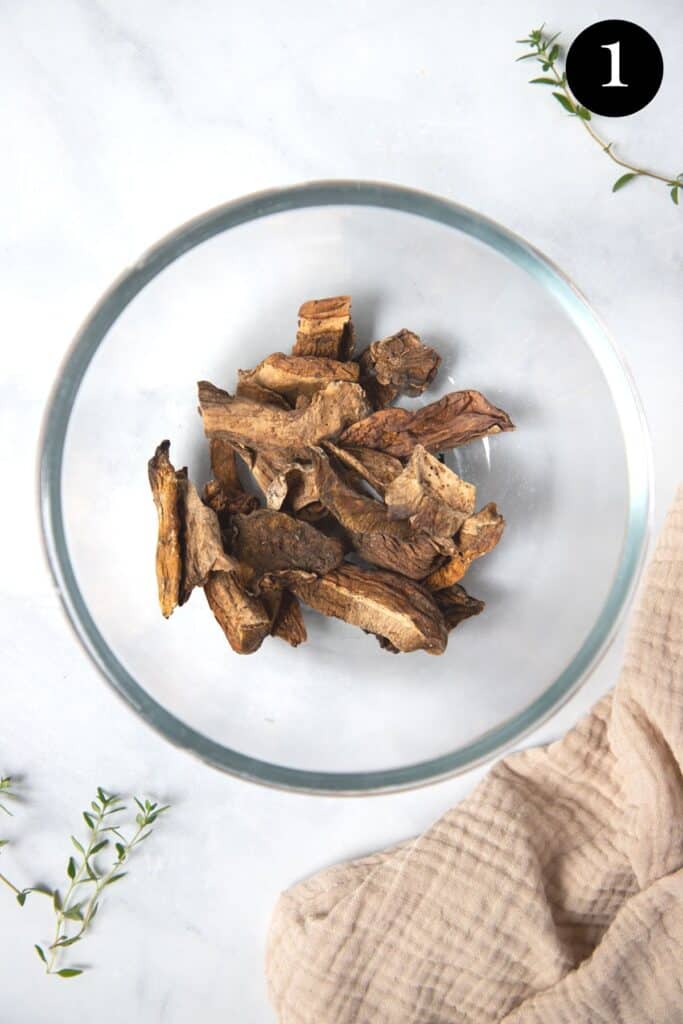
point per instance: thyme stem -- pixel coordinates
(546, 52)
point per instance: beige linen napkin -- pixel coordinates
(552, 895)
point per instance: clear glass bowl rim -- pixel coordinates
(443, 211)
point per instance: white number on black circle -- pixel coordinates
(615, 80)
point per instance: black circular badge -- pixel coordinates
(614, 68)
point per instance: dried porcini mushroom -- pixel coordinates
(189, 545)
(295, 376)
(224, 465)
(454, 420)
(376, 468)
(265, 465)
(243, 618)
(355, 511)
(478, 535)
(168, 487)
(431, 495)
(304, 426)
(190, 554)
(456, 605)
(227, 504)
(415, 556)
(203, 552)
(375, 536)
(397, 365)
(289, 622)
(480, 532)
(325, 328)
(268, 541)
(255, 392)
(225, 493)
(294, 485)
(242, 421)
(379, 602)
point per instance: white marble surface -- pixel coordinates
(120, 120)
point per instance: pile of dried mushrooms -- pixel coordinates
(359, 518)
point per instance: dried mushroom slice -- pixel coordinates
(456, 605)
(225, 504)
(430, 495)
(255, 426)
(190, 547)
(243, 618)
(289, 621)
(168, 488)
(379, 602)
(415, 556)
(265, 465)
(270, 541)
(224, 465)
(294, 485)
(397, 365)
(376, 468)
(380, 396)
(295, 488)
(356, 512)
(325, 328)
(203, 547)
(312, 512)
(276, 582)
(376, 537)
(294, 377)
(256, 392)
(454, 420)
(225, 493)
(478, 535)
(284, 480)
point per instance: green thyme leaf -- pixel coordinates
(69, 972)
(40, 953)
(564, 102)
(74, 913)
(115, 878)
(624, 180)
(65, 941)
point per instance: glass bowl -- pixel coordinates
(339, 715)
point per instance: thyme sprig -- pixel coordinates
(547, 52)
(87, 877)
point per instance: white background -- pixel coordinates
(121, 119)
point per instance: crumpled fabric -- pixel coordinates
(552, 895)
